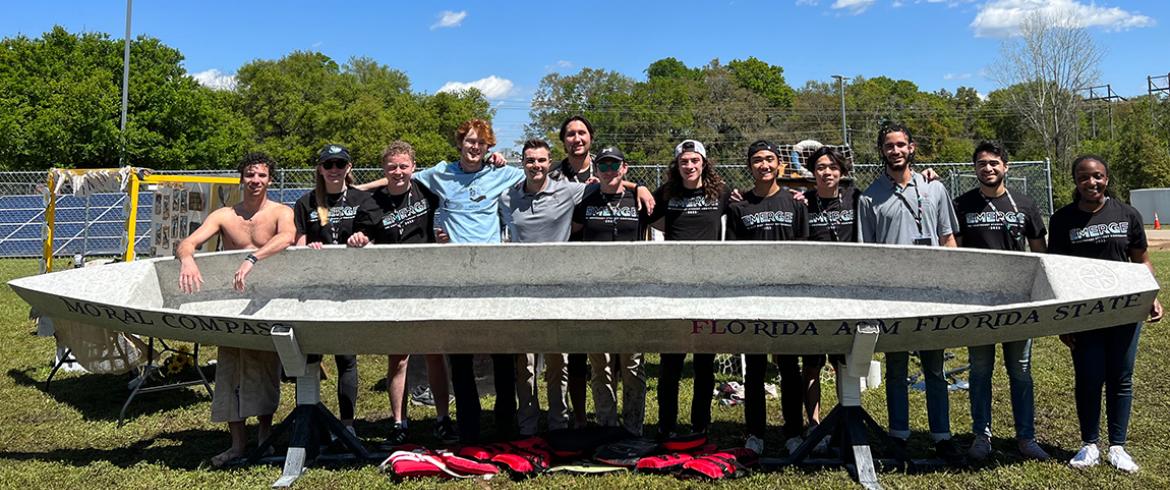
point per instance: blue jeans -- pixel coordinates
(938, 405)
(1105, 357)
(1017, 358)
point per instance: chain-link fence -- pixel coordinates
(1027, 178)
(94, 225)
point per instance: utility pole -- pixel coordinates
(1102, 93)
(125, 82)
(844, 125)
(1154, 87)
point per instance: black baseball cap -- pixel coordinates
(760, 146)
(610, 153)
(333, 152)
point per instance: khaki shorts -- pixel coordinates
(247, 384)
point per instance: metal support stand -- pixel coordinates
(848, 421)
(66, 357)
(310, 422)
(139, 383)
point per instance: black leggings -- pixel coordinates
(347, 386)
(671, 375)
(467, 395)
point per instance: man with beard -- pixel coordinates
(577, 137)
(901, 207)
(993, 217)
(247, 382)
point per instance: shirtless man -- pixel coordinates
(247, 382)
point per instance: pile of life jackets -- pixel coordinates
(574, 451)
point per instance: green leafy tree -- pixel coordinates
(61, 106)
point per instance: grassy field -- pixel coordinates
(66, 436)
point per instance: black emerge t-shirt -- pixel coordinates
(996, 223)
(611, 217)
(405, 218)
(776, 217)
(1108, 234)
(691, 215)
(349, 211)
(833, 219)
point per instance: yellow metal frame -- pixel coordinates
(135, 182)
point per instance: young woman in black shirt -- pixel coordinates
(1100, 227)
(328, 215)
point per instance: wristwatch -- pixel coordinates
(252, 258)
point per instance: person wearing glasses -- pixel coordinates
(328, 215)
(407, 215)
(692, 204)
(614, 215)
(993, 217)
(767, 213)
(901, 207)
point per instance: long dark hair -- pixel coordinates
(712, 182)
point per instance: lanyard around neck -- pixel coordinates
(899, 191)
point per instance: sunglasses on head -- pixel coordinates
(609, 166)
(331, 164)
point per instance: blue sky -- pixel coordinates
(506, 47)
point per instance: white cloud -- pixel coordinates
(448, 18)
(1002, 18)
(853, 6)
(493, 87)
(215, 79)
(956, 76)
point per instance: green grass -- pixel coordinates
(66, 436)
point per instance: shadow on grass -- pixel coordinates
(99, 397)
(187, 449)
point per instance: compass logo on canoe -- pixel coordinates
(1098, 277)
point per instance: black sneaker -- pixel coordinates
(445, 431)
(396, 438)
(948, 451)
(898, 449)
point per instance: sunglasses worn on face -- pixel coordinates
(609, 166)
(331, 164)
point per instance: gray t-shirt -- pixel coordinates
(544, 216)
(885, 217)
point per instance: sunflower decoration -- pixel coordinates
(178, 361)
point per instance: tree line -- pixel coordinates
(60, 98)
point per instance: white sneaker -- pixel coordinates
(755, 444)
(1088, 456)
(1122, 460)
(1029, 449)
(980, 448)
(792, 443)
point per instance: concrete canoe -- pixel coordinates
(750, 297)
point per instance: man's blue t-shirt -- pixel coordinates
(469, 202)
